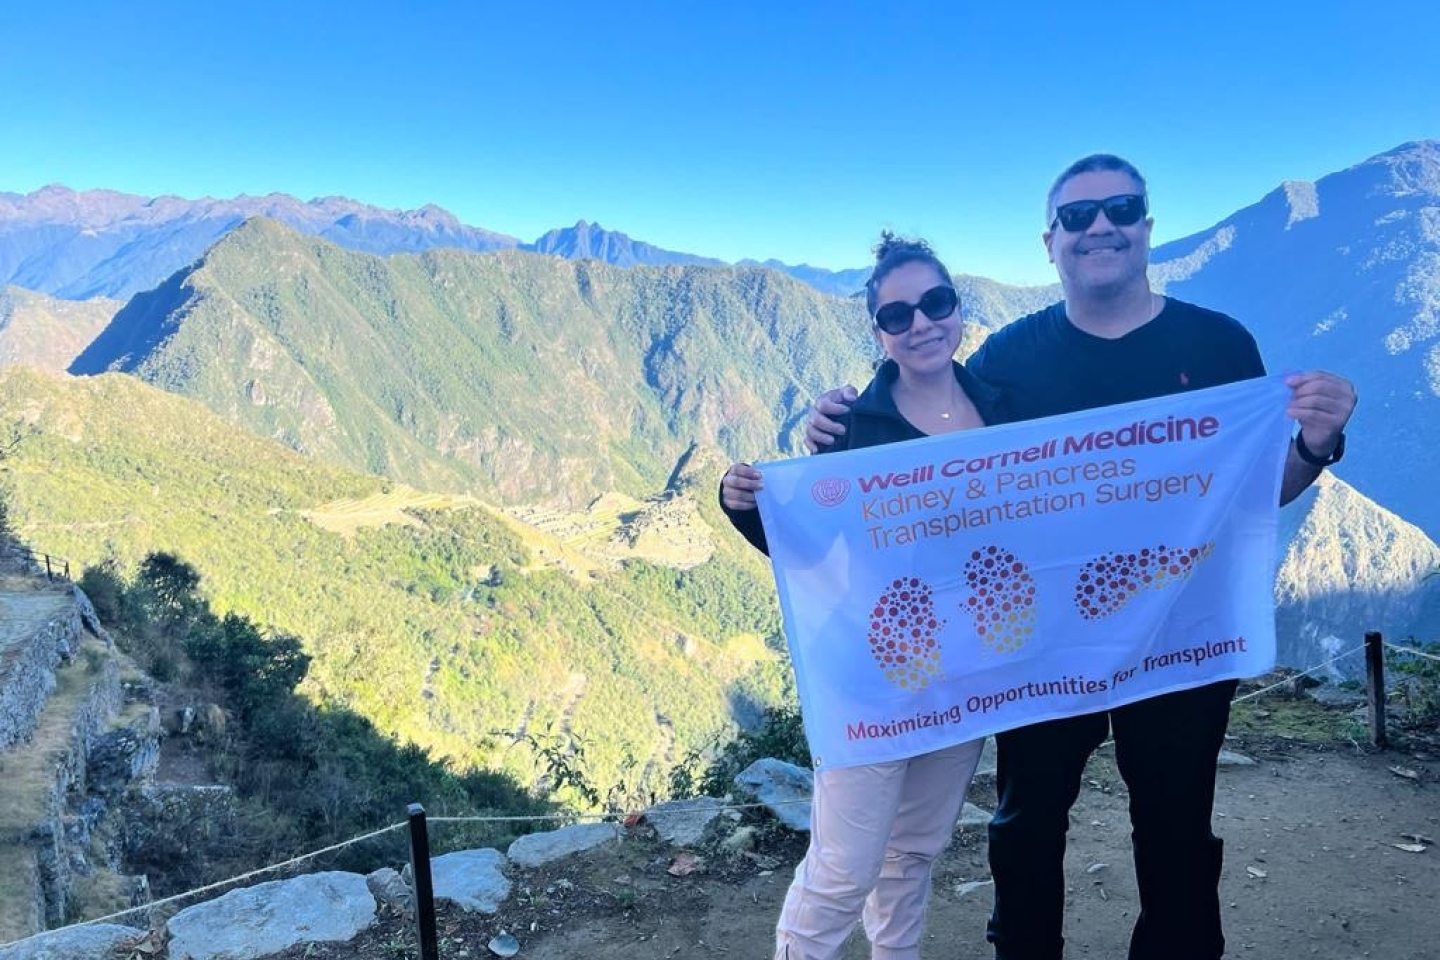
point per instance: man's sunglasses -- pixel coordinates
(937, 303)
(1122, 211)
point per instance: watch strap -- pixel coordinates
(1314, 459)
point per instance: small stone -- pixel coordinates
(1096, 867)
(961, 889)
(973, 816)
(742, 839)
(685, 864)
(504, 945)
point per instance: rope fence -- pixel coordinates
(294, 861)
(261, 871)
(1411, 651)
(1290, 680)
(1374, 649)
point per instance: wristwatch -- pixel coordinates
(1310, 457)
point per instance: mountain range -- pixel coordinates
(526, 378)
(1343, 274)
(104, 243)
(101, 243)
(558, 422)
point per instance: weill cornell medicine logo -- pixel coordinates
(831, 491)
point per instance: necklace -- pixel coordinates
(946, 413)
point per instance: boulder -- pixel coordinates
(783, 788)
(389, 888)
(471, 879)
(272, 917)
(684, 822)
(72, 943)
(535, 849)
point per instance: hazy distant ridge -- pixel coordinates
(80, 244)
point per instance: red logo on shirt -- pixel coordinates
(1184, 379)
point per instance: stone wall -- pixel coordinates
(63, 836)
(44, 630)
(82, 749)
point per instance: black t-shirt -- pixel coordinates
(1044, 365)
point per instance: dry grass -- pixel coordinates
(99, 895)
(19, 876)
(28, 770)
(749, 646)
(580, 544)
(11, 582)
(377, 510)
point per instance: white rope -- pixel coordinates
(1412, 651)
(382, 832)
(244, 876)
(1303, 673)
(1273, 686)
(601, 817)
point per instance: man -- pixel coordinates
(1110, 341)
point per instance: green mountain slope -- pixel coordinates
(442, 619)
(525, 378)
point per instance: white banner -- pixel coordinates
(941, 589)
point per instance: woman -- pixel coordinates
(875, 830)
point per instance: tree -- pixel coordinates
(256, 670)
(169, 590)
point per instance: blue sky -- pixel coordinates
(789, 130)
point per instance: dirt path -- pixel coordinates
(1318, 824)
(1310, 872)
(23, 612)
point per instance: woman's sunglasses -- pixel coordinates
(937, 303)
(1122, 211)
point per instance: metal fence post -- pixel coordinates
(424, 891)
(1375, 687)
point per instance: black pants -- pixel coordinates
(1166, 748)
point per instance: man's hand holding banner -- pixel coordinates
(942, 589)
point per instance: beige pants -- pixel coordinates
(875, 832)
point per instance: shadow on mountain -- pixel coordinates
(1349, 565)
(300, 775)
(137, 330)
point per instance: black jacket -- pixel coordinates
(872, 420)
